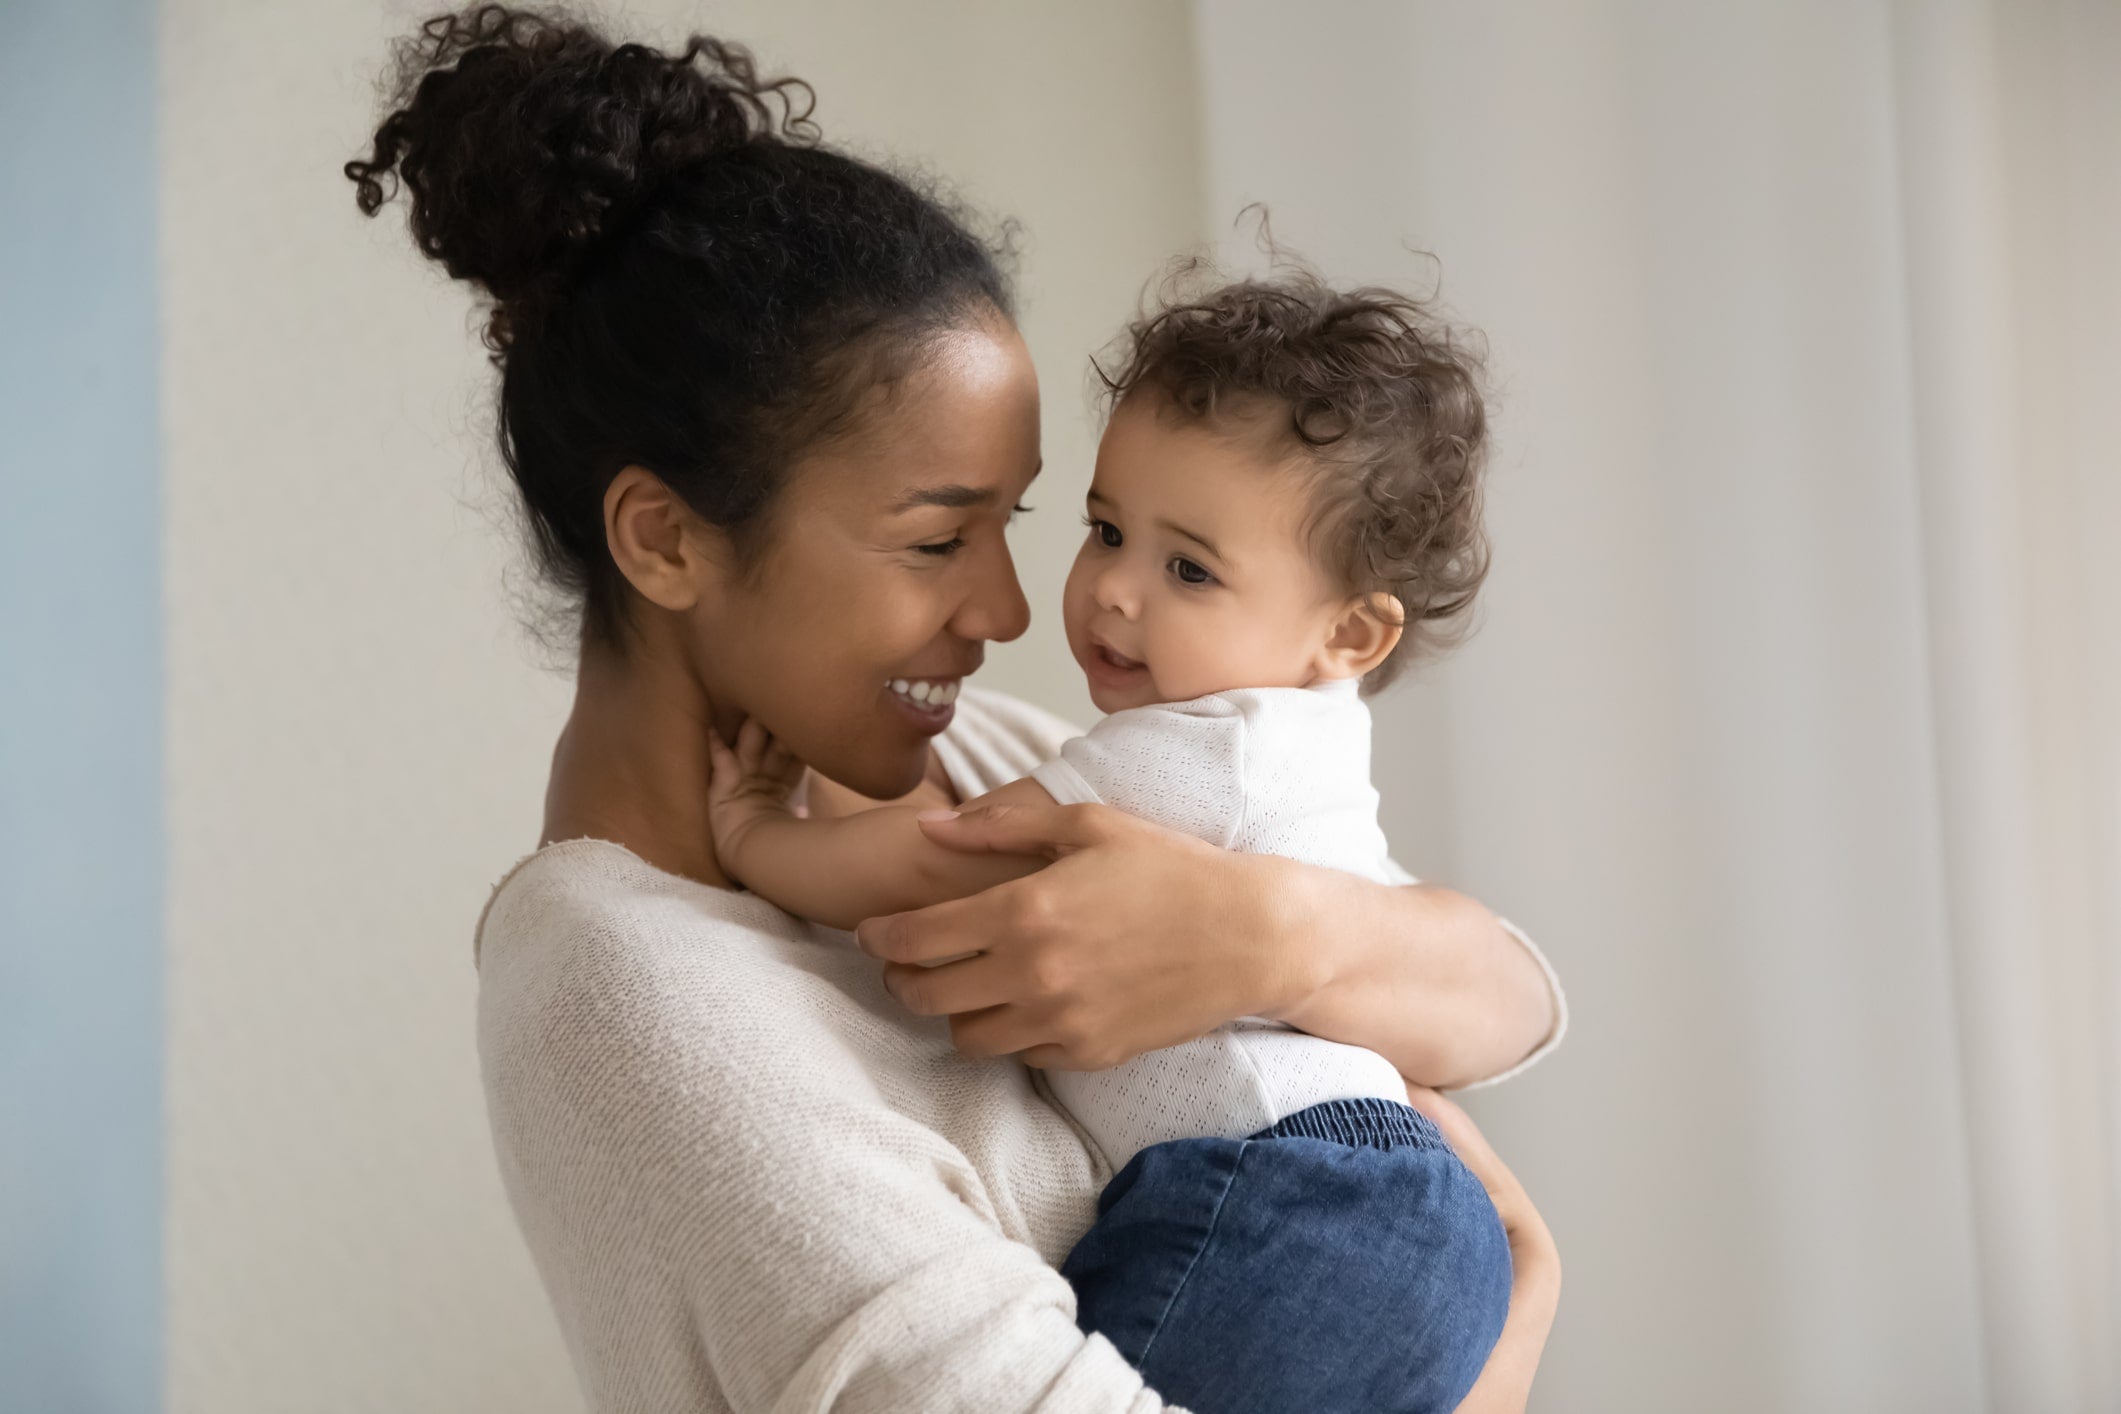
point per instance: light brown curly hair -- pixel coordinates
(1368, 391)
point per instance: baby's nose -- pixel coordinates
(1115, 591)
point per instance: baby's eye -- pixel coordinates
(1106, 532)
(1190, 573)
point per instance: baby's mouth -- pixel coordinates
(1114, 659)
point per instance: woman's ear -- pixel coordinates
(1364, 635)
(657, 540)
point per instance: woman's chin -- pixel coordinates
(879, 776)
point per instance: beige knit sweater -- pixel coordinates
(750, 1180)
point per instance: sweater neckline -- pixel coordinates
(743, 900)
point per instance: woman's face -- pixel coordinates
(888, 569)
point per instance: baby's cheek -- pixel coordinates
(1199, 658)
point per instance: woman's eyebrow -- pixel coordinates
(953, 496)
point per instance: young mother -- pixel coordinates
(769, 418)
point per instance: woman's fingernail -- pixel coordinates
(936, 815)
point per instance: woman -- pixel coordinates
(769, 417)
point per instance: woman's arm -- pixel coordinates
(1505, 1383)
(1137, 937)
(1428, 978)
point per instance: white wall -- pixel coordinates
(357, 730)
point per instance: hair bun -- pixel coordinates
(525, 137)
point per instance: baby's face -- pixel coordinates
(1194, 577)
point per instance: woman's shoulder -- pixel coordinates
(575, 888)
(599, 972)
(585, 936)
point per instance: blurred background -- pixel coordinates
(1793, 728)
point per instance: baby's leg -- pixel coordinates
(1343, 1259)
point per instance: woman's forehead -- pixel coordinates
(929, 459)
(960, 428)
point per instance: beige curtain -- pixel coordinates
(1794, 727)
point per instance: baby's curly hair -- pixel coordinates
(1371, 393)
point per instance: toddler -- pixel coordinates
(1285, 511)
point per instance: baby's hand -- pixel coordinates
(748, 784)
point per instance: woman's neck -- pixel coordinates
(631, 763)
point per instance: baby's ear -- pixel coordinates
(1363, 636)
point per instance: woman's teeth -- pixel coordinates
(926, 693)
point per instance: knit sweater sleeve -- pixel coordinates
(725, 1213)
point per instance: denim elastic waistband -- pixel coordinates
(1368, 1121)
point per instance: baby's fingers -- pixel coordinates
(779, 759)
(752, 739)
(721, 761)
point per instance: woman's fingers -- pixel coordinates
(930, 934)
(999, 1031)
(1465, 1137)
(949, 988)
(1505, 1383)
(1046, 831)
(1529, 1238)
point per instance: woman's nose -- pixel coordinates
(997, 610)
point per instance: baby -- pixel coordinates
(1285, 512)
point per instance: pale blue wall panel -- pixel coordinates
(81, 1173)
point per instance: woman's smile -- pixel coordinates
(930, 702)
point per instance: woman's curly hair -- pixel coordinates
(682, 276)
(525, 139)
(1377, 399)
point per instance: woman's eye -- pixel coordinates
(1020, 510)
(943, 547)
(1190, 573)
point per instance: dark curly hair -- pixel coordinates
(1377, 399)
(682, 277)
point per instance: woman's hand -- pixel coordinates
(1505, 1383)
(1135, 937)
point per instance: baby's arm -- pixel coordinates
(838, 872)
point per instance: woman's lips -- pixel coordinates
(930, 702)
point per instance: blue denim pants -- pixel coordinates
(1343, 1259)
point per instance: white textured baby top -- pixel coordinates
(1276, 770)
